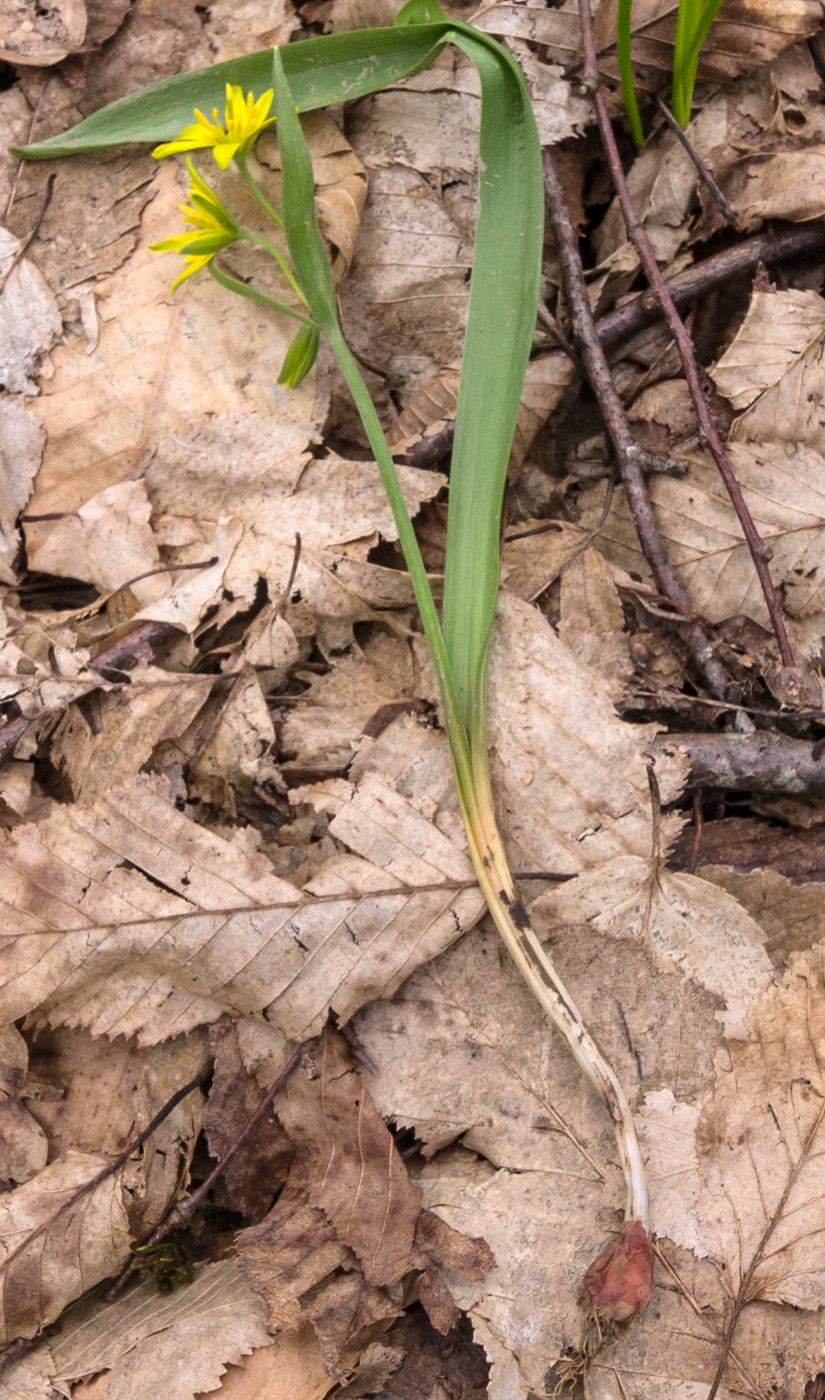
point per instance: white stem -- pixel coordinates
(536, 968)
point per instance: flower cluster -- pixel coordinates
(244, 120)
(211, 228)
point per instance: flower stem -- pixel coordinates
(234, 284)
(256, 190)
(279, 258)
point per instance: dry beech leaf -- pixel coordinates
(254, 1175)
(294, 1261)
(354, 1172)
(323, 729)
(21, 448)
(349, 1205)
(40, 36)
(790, 913)
(29, 318)
(93, 758)
(32, 35)
(242, 488)
(498, 1077)
(96, 1099)
(236, 753)
(23, 1143)
(29, 1378)
(160, 365)
(133, 920)
(547, 379)
(54, 1248)
(291, 1366)
(187, 1337)
(780, 330)
(753, 1191)
(570, 778)
(697, 927)
(781, 184)
(592, 620)
(783, 486)
(535, 556)
(109, 542)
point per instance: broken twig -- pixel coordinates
(629, 455)
(640, 241)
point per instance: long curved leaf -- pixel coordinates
(322, 71)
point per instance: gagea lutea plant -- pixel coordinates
(277, 85)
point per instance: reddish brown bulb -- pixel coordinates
(620, 1281)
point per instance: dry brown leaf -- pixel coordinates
(100, 753)
(21, 448)
(42, 36)
(28, 1378)
(352, 1167)
(152, 373)
(570, 778)
(241, 489)
(95, 1100)
(783, 486)
(592, 621)
(696, 927)
(235, 29)
(782, 184)
(535, 558)
(288, 1255)
(324, 728)
(23, 1143)
(557, 29)
(54, 1247)
(254, 1175)
(789, 913)
(188, 1337)
(780, 331)
(348, 1205)
(496, 1074)
(236, 754)
(29, 318)
(755, 1179)
(294, 1260)
(134, 920)
(547, 379)
(292, 1367)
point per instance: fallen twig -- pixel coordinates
(759, 762)
(181, 1214)
(700, 167)
(629, 455)
(686, 287)
(644, 310)
(639, 238)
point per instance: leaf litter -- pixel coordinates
(253, 829)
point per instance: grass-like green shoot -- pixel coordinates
(693, 22)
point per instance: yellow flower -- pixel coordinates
(212, 228)
(245, 119)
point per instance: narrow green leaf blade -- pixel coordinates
(332, 68)
(501, 319)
